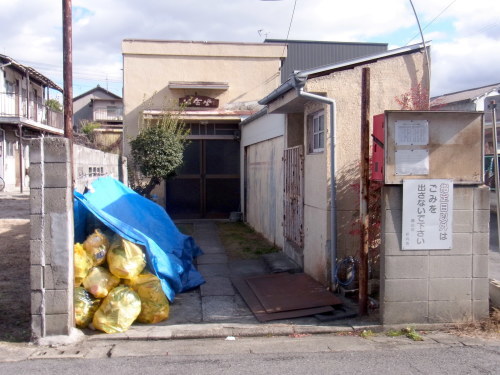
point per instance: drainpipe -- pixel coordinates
(299, 83)
(21, 158)
(28, 96)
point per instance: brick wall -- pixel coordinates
(436, 285)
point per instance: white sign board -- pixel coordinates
(412, 132)
(427, 214)
(411, 162)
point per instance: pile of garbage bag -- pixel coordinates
(124, 239)
(169, 253)
(113, 287)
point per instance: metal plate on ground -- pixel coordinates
(260, 313)
(280, 262)
(286, 292)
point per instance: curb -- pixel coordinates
(221, 330)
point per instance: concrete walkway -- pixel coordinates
(217, 310)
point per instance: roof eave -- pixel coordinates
(32, 72)
(303, 75)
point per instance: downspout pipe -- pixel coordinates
(299, 83)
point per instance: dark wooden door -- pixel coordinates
(208, 183)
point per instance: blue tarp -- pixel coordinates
(169, 253)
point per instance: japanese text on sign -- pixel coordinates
(427, 214)
(199, 101)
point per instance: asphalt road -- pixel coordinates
(445, 360)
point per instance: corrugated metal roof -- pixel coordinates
(34, 74)
(464, 95)
(303, 54)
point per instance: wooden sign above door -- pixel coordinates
(198, 101)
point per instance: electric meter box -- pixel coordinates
(433, 145)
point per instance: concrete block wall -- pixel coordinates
(51, 244)
(436, 285)
(52, 226)
(90, 164)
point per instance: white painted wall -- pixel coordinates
(264, 189)
(263, 140)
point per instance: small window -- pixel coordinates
(317, 132)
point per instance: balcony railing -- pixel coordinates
(15, 105)
(107, 114)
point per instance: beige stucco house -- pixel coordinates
(313, 124)
(220, 84)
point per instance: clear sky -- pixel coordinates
(465, 34)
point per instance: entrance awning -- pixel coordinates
(198, 85)
(213, 115)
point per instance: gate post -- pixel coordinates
(435, 219)
(51, 244)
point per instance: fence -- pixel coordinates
(15, 105)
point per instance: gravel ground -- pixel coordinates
(14, 268)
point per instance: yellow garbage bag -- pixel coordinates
(85, 306)
(99, 282)
(96, 245)
(126, 260)
(82, 263)
(155, 306)
(118, 310)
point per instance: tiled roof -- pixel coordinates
(32, 72)
(465, 95)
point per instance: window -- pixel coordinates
(317, 132)
(9, 88)
(10, 148)
(112, 111)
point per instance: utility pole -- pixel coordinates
(68, 76)
(364, 193)
(493, 107)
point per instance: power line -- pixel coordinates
(492, 25)
(289, 27)
(82, 73)
(430, 23)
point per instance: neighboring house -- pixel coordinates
(105, 109)
(221, 82)
(293, 196)
(476, 99)
(262, 140)
(23, 115)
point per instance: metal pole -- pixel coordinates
(68, 77)
(423, 42)
(493, 107)
(364, 191)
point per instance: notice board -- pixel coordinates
(427, 214)
(434, 145)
